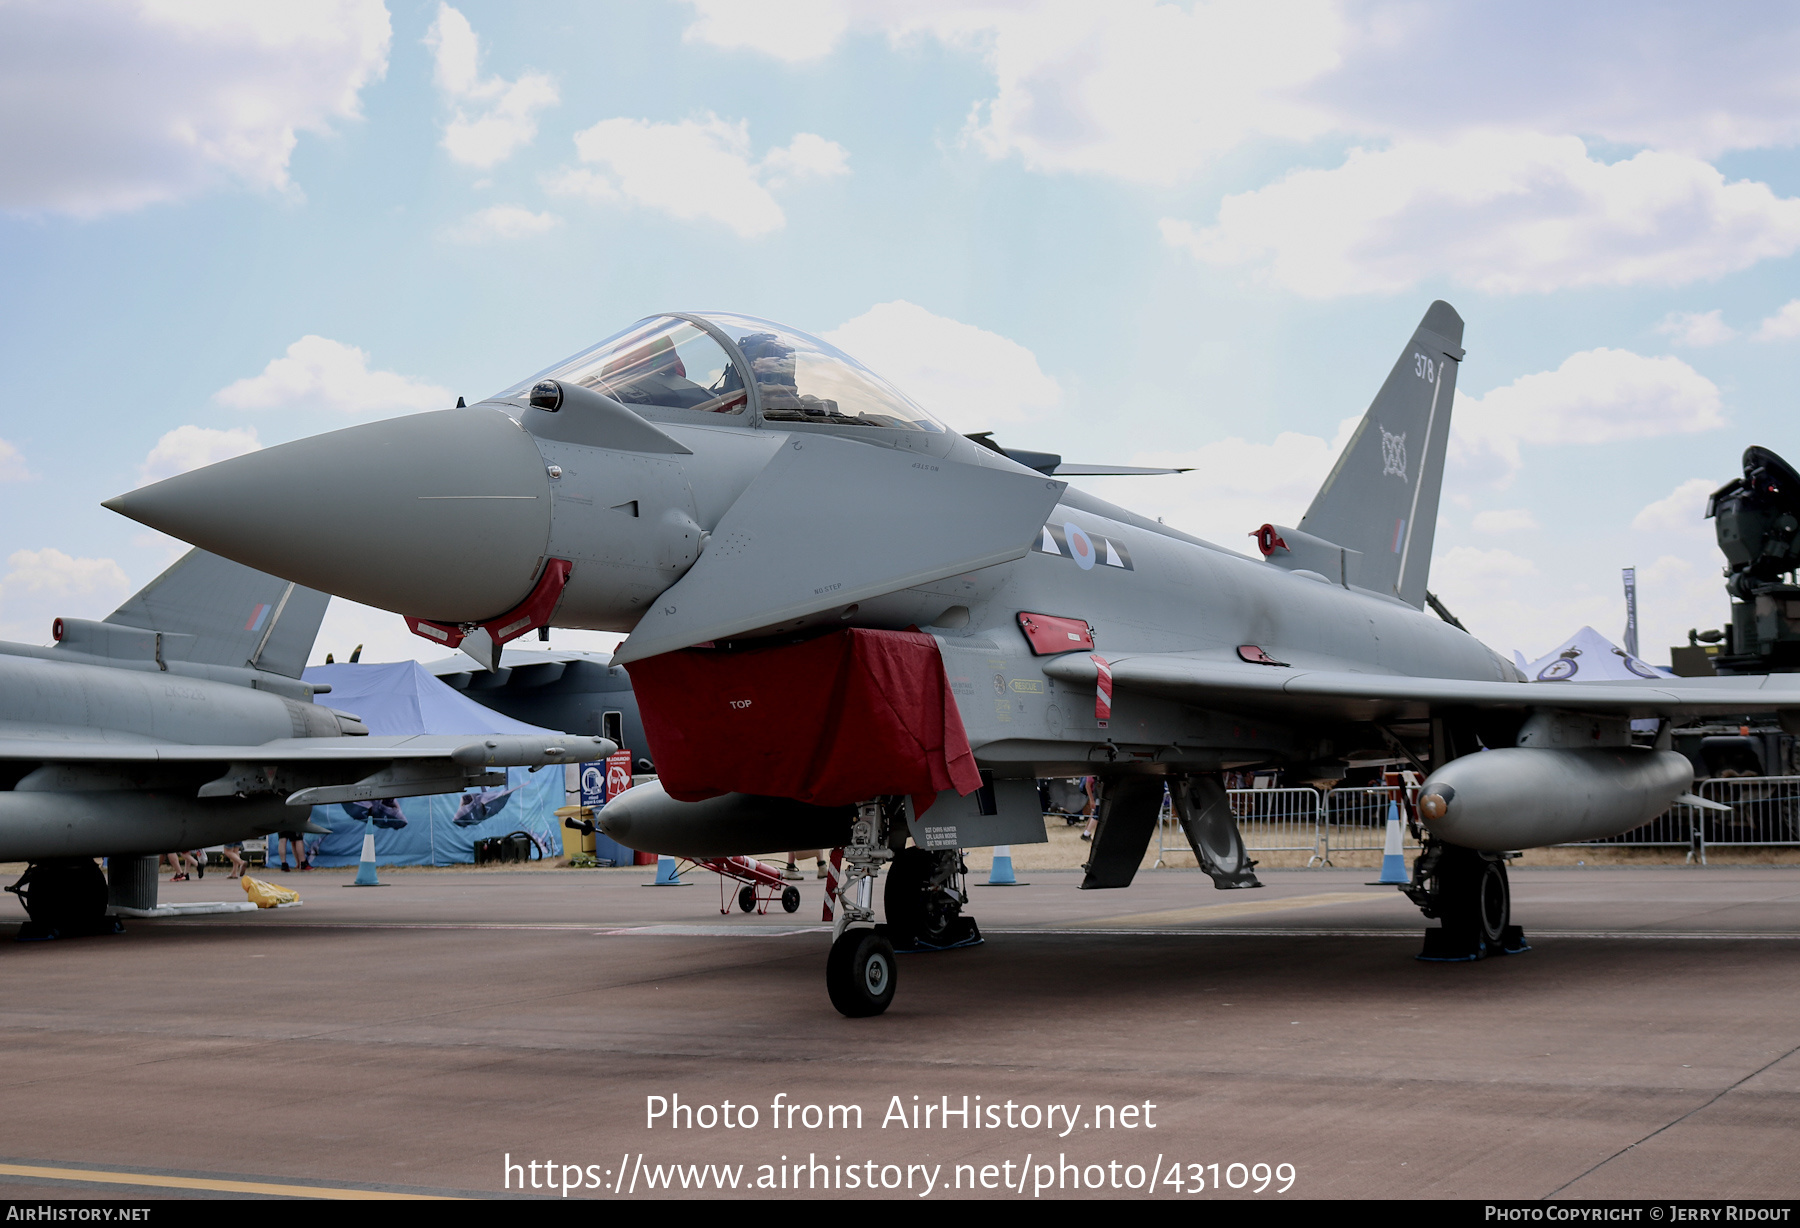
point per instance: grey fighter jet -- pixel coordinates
(179, 721)
(716, 480)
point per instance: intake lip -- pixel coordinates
(442, 515)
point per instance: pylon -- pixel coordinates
(666, 875)
(1000, 874)
(365, 870)
(1393, 861)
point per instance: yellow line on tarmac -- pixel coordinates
(1211, 912)
(94, 1176)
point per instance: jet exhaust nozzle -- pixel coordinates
(646, 818)
(1527, 797)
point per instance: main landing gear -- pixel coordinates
(1468, 891)
(923, 897)
(65, 898)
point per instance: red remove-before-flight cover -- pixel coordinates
(832, 721)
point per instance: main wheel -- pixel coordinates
(790, 899)
(66, 897)
(860, 973)
(1493, 902)
(747, 898)
(914, 908)
(1477, 897)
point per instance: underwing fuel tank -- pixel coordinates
(1528, 797)
(36, 826)
(648, 819)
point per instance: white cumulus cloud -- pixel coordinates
(807, 156)
(1505, 212)
(1697, 329)
(1596, 396)
(1681, 512)
(1672, 76)
(501, 222)
(51, 571)
(1501, 522)
(12, 463)
(318, 371)
(491, 116)
(1676, 593)
(969, 377)
(695, 169)
(1236, 485)
(1133, 89)
(192, 447)
(1784, 325)
(791, 30)
(114, 105)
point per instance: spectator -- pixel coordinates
(298, 840)
(793, 870)
(234, 853)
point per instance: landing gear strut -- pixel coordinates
(860, 971)
(65, 898)
(1468, 891)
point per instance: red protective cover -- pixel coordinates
(832, 721)
(1048, 634)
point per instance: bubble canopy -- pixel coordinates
(679, 362)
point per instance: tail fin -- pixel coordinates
(1382, 496)
(235, 615)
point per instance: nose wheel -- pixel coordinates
(860, 973)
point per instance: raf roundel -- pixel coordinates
(1081, 547)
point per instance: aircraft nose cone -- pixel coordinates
(442, 515)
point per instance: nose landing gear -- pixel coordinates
(859, 973)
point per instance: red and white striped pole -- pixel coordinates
(1102, 690)
(834, 880)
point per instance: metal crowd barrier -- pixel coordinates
(1297, 820)
(1353, 819)
(1765, 813)
(1765, 810)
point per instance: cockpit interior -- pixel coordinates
(735, 365)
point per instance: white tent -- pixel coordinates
(1591, 657)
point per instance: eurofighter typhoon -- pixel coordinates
(851, 627)
(180, 720)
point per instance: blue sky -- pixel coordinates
(1120, 232)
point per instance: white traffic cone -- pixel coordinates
(1000, 874)
(1393, 862)
(365, 870)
